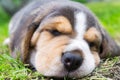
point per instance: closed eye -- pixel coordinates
(92, 44)
(55, 32)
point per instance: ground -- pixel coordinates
(109, 69)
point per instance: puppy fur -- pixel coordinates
(31, 36)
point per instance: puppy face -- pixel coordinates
(60, 49)
(60, 38)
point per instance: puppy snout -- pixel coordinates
(71, 61)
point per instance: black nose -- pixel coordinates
(71, 61)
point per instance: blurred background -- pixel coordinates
(107, 11)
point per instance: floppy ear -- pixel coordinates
(29, 38)
(109, 47)
(21, 39)
(26, 28)
(26, 42)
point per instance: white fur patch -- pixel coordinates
(80, 44)
(6, 42)
(80, 25)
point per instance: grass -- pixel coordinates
(4, 19)
(109, 16)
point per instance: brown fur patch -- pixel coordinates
(93, 35)
(35, 38)
(59, 23)
(49, 50)
(94, 38)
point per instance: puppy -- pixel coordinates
(60, 38)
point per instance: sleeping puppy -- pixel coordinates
(60, 38)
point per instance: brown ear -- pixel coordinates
(21, 38)
(25, 43)
(108, 48)
(30, 36)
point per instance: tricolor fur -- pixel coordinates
(46, 31)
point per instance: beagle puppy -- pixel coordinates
(60, 38)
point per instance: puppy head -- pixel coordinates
(66, 41)
(60, 49)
